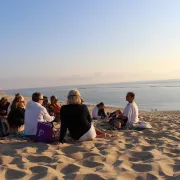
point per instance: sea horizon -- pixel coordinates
(150, 95)
(105, 83)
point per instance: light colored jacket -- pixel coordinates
(95, 113)
(35, 113)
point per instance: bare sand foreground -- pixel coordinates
(150, 154)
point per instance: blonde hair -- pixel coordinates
(74, 97)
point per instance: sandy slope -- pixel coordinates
(150, 154)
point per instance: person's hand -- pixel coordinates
(51, 114)
(23, 105)
(59, 144)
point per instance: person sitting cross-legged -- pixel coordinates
(35, 115)
(129, 115)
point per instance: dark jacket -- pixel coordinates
(16, 117)
(76, 118)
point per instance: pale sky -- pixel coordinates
(51, 43)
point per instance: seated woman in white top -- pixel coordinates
(35, 113)
(98, 111)
(130, 114)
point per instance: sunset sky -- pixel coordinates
(55, 42)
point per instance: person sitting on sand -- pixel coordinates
(98, 111)
(130, 114)
(76, 118)
(17, 113)
(9, 107)
(46, 103)
(54, 108)
(35, 113)
(4, 104)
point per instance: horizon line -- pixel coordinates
(162, 80)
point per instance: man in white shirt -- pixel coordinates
(130, 113)
(98, 111)
(35, 113)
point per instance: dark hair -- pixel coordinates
(53, 98)
(3, 100)
(100, 104)
(15, 102)
(45, 99)
(17, 95)
(36, 96)
(131, 94)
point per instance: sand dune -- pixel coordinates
(134, 155)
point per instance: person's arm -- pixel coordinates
(22, 113)
(9, 108)
(104, 113)
(6, 109)
(88, 114)
(46, 115)
(9, 115)
(127, 115)
(63, 128)
(122, 116)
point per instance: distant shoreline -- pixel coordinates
(90, 105)
(125, 82)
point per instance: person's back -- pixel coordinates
(131, 111)
(75, 118)
(95, 112)
(16, 117)
(35, 113)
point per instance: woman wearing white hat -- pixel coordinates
(76, 118)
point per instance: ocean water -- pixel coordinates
(152, 95)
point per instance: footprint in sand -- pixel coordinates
(70, 150)
(14, 174)
(38, 159)
(176, 168)
(117, 163)
(69, 169)
(39, 176)
(91, 164)
(147, 177)
(142, 167)
(141, 156)
(39, 169)
(89, 177)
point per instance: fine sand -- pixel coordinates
(132, 155)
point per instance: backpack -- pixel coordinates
(4, 128)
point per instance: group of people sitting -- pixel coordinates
(14, 112)
(74, 116)
(117, 118)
